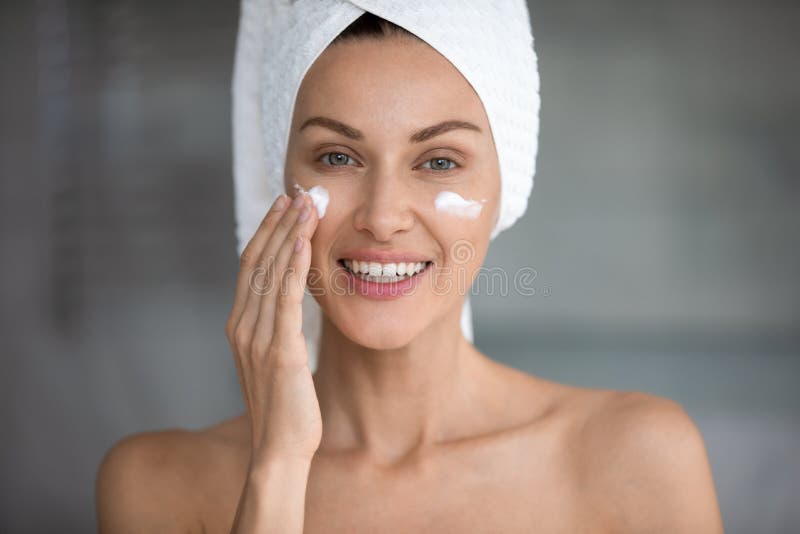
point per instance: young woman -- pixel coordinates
(405, 426)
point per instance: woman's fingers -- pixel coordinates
(249, 260)
(268, 281)
(285, 269)
(287, 337)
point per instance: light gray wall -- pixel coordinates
(662, 229)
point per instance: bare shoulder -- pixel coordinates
(153, 481)
(644, 458)
(141, 482)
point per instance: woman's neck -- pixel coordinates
(392, 403)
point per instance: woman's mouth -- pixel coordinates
(384, 281)
(384, 273)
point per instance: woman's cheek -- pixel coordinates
(466, 222)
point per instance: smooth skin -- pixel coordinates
(404, 426)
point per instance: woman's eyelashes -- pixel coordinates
(340, 159)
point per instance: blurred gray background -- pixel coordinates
(663, 229)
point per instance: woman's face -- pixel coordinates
(383, 177)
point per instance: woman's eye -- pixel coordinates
(440, 164)
(339, 159)
(335, 159)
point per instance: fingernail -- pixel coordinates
(298, 244)
(280, 202)
(298, 201)
(304, 213)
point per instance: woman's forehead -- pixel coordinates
(387, 80)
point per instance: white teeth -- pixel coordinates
(390, 269)
(387, 272)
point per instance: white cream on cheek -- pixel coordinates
(319, 196)
(455, 204)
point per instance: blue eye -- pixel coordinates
(337, 160)
(438, 162)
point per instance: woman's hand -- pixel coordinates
(264, 331)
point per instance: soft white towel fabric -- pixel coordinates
(489, 42)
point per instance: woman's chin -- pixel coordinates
(379, 334)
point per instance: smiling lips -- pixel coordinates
(384, 287)
(383, 275)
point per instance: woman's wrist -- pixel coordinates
(278, 466)
(274, 496)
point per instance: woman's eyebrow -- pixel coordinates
(418, 137)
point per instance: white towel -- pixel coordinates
(489, 42)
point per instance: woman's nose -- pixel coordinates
(384, 207)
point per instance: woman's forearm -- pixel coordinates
(273, 498)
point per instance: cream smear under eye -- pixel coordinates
(455, 204)
(319, 196)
